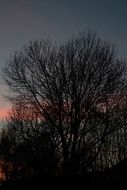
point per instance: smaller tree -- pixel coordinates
(26, 146)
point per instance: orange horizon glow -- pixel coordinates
(3, 113)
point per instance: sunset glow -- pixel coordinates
(3, 113)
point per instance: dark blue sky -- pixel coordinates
(24, 20)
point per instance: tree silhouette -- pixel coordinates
(70, 86)
(26, 147)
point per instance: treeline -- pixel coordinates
(69, 112)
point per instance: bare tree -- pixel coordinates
(70, 86)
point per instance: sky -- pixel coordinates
(25, 20)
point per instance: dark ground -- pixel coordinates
(99, 182)
(111, 179)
